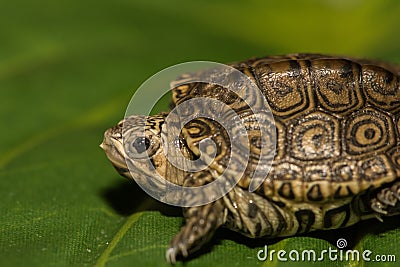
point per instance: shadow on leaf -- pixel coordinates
(126, 198)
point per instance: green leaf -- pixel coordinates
(67, 72)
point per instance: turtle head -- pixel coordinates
(134, 146)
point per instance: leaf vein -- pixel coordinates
(105, 256)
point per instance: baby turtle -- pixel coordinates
(337, 158)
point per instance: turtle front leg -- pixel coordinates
(201, 222)
(387, 201)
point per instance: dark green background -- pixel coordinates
(67, 72)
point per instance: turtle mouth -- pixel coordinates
(112, 146)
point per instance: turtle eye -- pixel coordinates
(140, 147)
(141, 144)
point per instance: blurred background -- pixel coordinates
(67, 72)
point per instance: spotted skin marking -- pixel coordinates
(337, 217)
(253, 209)
(305, 219)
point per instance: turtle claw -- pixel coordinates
(378, 207)
(396, 191)
(379, 217)
(170, 255)
(175, 250)
(387, 201)
(397, 195)
(387, 197)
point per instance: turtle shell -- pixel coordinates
(337, 123)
